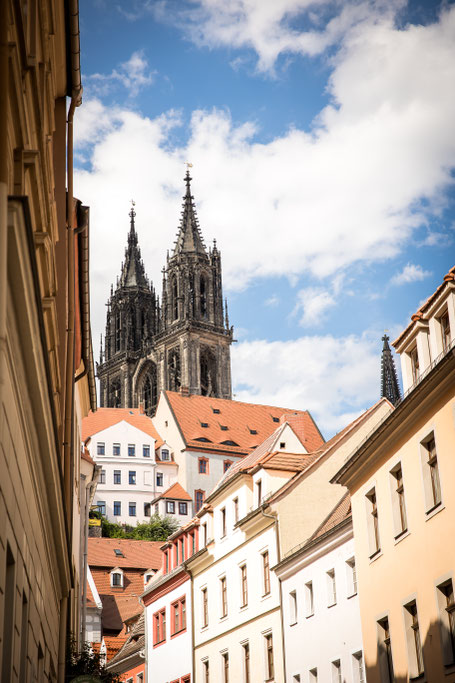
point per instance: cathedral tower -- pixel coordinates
(389, 382)
(182, 345)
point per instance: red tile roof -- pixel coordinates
(176, 492)
(241, 419)
(119, 604)
(420, 313)
(136, 554)
(113, 645)
(85, 455)
(106, 417)
(340, 513)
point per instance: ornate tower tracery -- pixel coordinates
(389, 382)
(184, 344)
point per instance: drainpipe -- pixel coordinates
(68, 440)
(89, 493)
(278, 555)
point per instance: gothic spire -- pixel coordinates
(389, 381)
(133, 273)
(189, 238)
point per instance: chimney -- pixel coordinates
(141, 408)
(184, 391)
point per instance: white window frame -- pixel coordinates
(309, 599)
(331, 587)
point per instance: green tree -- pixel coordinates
(87, 662)
(157, 529)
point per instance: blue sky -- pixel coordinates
(323, 149)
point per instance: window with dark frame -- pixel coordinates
(117, 508)
(411, 608)
(178, 616)
(434, 471)
(101, 505)
(246, 662)
(269, 656)
(445, 331)
(224, 603)
(102, 479)
(147, 509)
(373, 523)
(132, 477)
(415, 365)
(132, 509)
(206, 671)
(170, 507)
(159, 479)
(385, 649)
(266, 572)
(226, 465)
(223, 522)
(447, 620)
(205, 608)
(244, 585)
(259, 492)
(225, 657)
(235, 504)
(145, 451)
(117, 477)
(399, 501)
(203, 466)
(199, 499)
(159, 622)
(165, 454)
(100, 448)
(183, 508)
(116, 449)
(131, 450)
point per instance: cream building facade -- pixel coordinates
(401, 481)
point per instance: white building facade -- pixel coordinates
(321, 616)
(127, 482)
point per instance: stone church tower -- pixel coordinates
(182, 344)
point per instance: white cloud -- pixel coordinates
(312, 303)
(133, 75)
(410, 273)
(272, 301)
(272, 27)
(318, 202)
(334, 378)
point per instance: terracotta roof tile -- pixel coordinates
(113, 645)
(85, 455)
(134, 643)
(448, 277)
(176, 491)
(340, 513)
(248, 424)
(136, 554)
(119, 604)
(106, 417)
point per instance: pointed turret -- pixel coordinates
(389, 382)
(189, 238)
(133, 273)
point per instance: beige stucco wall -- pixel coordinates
(414, 566)
(305, 505)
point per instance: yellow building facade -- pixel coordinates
(402, 486)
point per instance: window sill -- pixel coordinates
(401, 536)
(434, 511)
(308, 616)
(293, 623)
(224, 618)
(375, 555)
(178, 633)
(158, 644)
(333, 604)
(204, 628)
(352, 595)
(243, 607)
(266, 596)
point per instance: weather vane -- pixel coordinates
(132, 212)
(188, 165)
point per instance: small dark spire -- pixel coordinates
(189, 238)
(389, 382)
(132, 215)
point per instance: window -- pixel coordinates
(131, 477)
(147, 578)
(385, 651)
(131, 450)
(204, 529)
(351, 573)
(309, 599)
(253, 431)
(259, 492)
(181, 542)
(140, 678)
(117, 579)
(147, 509)
(431, 482)
(445, 330)
(358, 667)
(117, 477)
(331, 588)
(224, 428)
(246, 663)
(157, 509)
(100, 448)
(223, 590)
(203, 466)
(269, 668)
(159, 627)
(193, 542)
(413, 639)
(226, 465)
(178, 616)
(205, 608)
(235, 505)
(282, 444)
(159, 479)
(244, 586)
(183, 508)
(372, 522)
(199, 499)
(398, 502)
(313, 675)
(223, 522)
(102, 479)
(170, 507)
(225, 665)
(217, 411)
(204, 425)
(132, 509)
(293, 607)
(101, 506)
(415, 367)
(165, 454)
(205, 671)
(117, 508)
(146, 451)
(275, 419)
(266, 572)
(446, 606)
(116, 449)
(336, 672)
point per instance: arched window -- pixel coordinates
(173, 368)
(115, 394)
(117, 331)
(203, 296)
(149, 392)
(208, 373)
(175, 302)
(117, 577)
(191, 295)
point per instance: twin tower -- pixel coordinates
(181, 343)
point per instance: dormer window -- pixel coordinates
(217, 411)
(204, 425)
(165, 454)
(147, 577)
(229, 443)
(445, 331)
(282, 444)
(117, 578)
(253, 431)
(223, 428)
(415, 367)
(275, 419)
